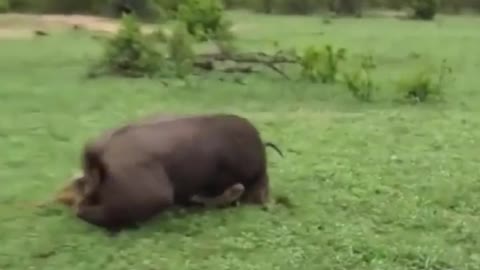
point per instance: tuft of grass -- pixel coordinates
(425, 85)
(360, 82)
(321, 63)
(181, 52)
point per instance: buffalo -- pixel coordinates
(132, 173)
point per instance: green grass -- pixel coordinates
(374, 186)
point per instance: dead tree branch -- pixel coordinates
(245, 61)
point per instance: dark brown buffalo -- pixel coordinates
(74, 192)
(139, 170)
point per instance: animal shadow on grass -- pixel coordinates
(190, 221)
(422, 261)
(177, 219)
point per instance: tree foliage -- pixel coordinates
(129, 53)
(4, 6)
(203, 18)
(342, 7)
(424, 9)
(180, 49)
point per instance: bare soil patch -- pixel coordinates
(24, 25)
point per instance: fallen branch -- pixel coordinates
(240, 69)
(207, 61)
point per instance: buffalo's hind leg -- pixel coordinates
(258, 192)
(229, 196)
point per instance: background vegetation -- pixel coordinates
(163, 8)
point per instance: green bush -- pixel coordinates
(129, 53)
(19, 5)
(180, 49)
(4, 6)
(203, 18)
(321, 63)
(424, 9)
(360, 83)
(423, 86)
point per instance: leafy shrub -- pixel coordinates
(321, 63)
(424, 9)
(129, 53)
(203, 18)
(360, 83)
(4, 6)
(180, 48)
(423, 86)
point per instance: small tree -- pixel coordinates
(203, 18)
(180, 48)
(321, 63)
(425, 84)
(4, 6)
(129, 53)
(360, 82)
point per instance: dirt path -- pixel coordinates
(14, 25)
(22, 25)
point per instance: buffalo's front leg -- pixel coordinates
(229, 196)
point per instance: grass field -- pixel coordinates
(373, 186)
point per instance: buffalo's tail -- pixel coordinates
(269, 144)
